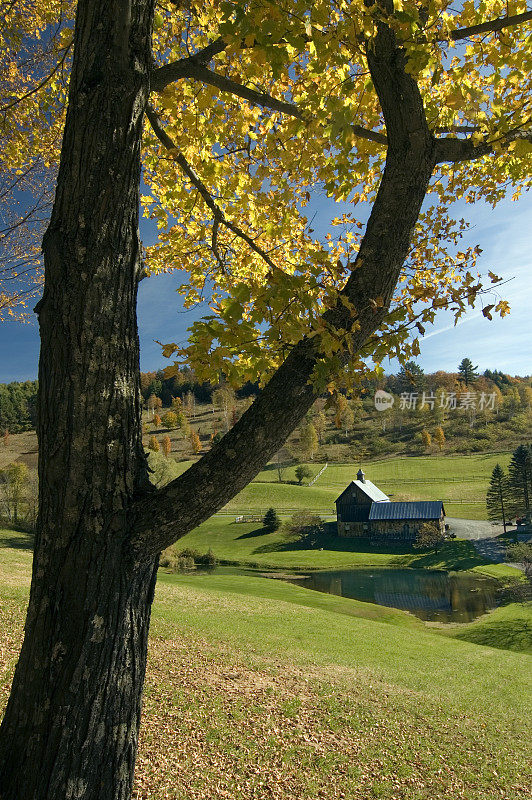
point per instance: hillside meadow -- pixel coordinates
(250, 544)
(461, 481)
(261, 689)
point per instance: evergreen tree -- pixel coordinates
(271, 520)
(17, 406)
(467, 372)
(498, 377)
(497, 495)
(410, 378)
(520, 480)
(155, 388)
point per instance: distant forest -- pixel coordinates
(18, 403)
(513, 396)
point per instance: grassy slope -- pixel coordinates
(258, 689)
(447, 477)
(270, 617)
(452, 478)
(248, 543)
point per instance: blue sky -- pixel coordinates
(505, 234)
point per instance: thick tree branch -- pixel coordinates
(184, 67)
(372, 136)
(219, 216)
(492, 26)
(199, 72)
(450, 149)
(158, 520)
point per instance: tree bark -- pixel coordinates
(71, 724)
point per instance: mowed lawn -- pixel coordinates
(260, 689)
(249, 544)
(460, 480)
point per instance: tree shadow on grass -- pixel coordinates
(273, 467)
(17, 540)
(515, 634)
(329, 540)
(452, 555)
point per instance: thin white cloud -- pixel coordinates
(451, 327)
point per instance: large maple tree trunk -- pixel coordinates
(71, 725)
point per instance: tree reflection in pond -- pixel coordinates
(431, 595)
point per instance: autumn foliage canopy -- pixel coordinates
(257, 110)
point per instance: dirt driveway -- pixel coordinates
(482, 536)
(473, 528)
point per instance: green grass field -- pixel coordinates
(461, 481)
(261, 689)
(247, 544)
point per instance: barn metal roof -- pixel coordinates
(369, 489)
(372, 491)
(421, 509)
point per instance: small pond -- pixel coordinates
(431, 595)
